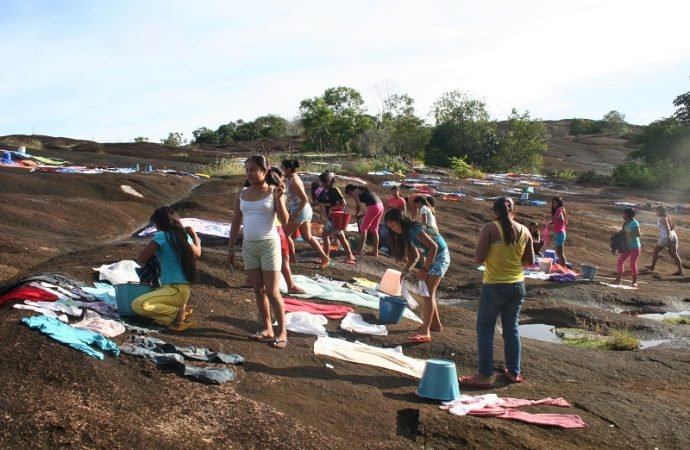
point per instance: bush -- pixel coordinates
(592, 176)
(462, 169)
(586, 126)
(385, 162)
(633, 173)
(564, 174)
(224, 167)
(623, 340)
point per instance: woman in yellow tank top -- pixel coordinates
(504, 246)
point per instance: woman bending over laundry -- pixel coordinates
(333, 200)
(407, 238)
(176, 248)
(371, 217)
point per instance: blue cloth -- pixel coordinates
(559, 239)
(102, 291)
(171, 263)
(413, 236)
(507, 300)
(76, 338)
(630, 227)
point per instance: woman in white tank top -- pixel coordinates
(257, 206)
(667, 239)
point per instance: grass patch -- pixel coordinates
(33, 144)
(384, 162)
(564, 174)
(618, 340)
(677, 320)
(623, 340)
(222, 167)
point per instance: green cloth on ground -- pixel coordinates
(313, 289)
(49, 161)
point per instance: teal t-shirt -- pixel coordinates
(633, 242)
(413, 236)
(170, 261)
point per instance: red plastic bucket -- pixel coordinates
(340, 220)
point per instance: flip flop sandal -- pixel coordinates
(260, 336)
(187, 314)
(513, 378)
(280, 343)
(419, 338)
(180, 326)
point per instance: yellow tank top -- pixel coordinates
(504, 262)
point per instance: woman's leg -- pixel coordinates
(289, 229)
(432, 283)
(257, 281)
(510, 316)
(655, 257)
(346, 245)
(486, 324)
(272, 284)
(163, 304)
(375, 243)
(362, 242)
(634, 254)
(673, 253)
(619, 266)
(560, 255)
(305, 229)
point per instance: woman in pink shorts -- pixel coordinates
(372, 216)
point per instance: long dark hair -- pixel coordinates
(560, 204)
(421, 200)
(504, 207)
(629, 214)
(168, 221)
(290, 164)
(262, 162)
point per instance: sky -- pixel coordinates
(111, 71)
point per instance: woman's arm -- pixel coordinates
(432, 247)
(424, 216)
(667, 225)
(279, 202)
(148, 251)
(412, 258)
(196, 242)
(357, 204)
(298, 188)
(234, 229)
(528, 254)
(481, 251)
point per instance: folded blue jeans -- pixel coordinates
(506, 300)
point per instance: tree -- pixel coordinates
(204, 135)
(174, 140)
(614, 121)
(463, 129)
(523, 144)
(682, 114)
(141, 139)
(271, 126)
(333, 120)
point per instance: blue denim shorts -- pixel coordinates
(559, 239)
(305, 215)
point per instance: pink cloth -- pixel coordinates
(330, 311)
(545, 237)
(557, 268)
(490, 405)
(551, 420)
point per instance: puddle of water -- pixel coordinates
(653, 343)
(540, 332)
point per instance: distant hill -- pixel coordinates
(599, 152)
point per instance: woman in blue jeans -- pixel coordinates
(504, 246)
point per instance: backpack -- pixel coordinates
(619, 242)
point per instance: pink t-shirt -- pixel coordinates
(558, 220)
(397, 203)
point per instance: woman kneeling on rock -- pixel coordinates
(407, 238)
(504, 247)
(176, 248)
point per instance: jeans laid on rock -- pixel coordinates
(506, 300)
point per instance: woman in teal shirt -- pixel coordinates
(631, 227)
(176, 248)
